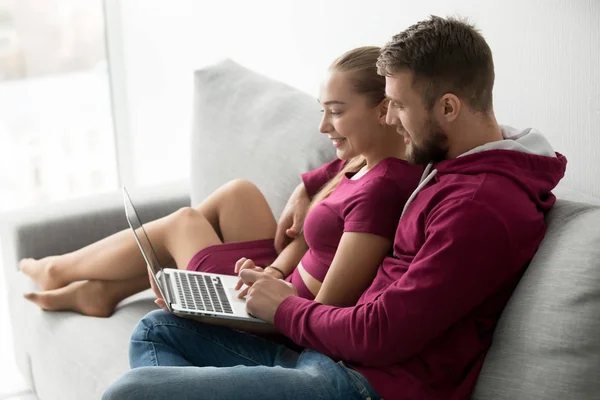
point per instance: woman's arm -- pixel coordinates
(289, 258)
(284, 264)
(353, 268)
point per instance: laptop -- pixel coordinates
(188, 292)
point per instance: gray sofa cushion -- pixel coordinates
(252, 127)
(547, 343)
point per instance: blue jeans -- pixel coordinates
(174, 357)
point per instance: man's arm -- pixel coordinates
(466, 257)
(292, 218)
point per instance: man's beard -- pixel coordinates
(434, 147)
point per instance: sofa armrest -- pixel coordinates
(66, 226)
(59, 228)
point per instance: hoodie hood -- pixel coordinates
(524, 156)
(529, 141)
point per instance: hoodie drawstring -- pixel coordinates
(425, 179)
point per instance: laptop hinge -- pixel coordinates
(166, 281)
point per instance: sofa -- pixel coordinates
(546, 344)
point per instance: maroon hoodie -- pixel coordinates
(422, 329)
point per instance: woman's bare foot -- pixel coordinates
(43, 272)
(88, 298)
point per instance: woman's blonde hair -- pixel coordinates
(360, 63)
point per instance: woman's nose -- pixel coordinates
(325, 126)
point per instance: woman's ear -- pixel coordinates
(382, 110)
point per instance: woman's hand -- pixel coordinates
(159, 299)
(266, 294)
(245, 263)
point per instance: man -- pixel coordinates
(421, 330)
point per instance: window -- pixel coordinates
(56, 129)
(56, 136)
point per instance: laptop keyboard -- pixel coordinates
(202, 293)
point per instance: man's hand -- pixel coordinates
(266, 293)
(292, 218)
(159, 299)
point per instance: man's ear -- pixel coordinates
(450, 106)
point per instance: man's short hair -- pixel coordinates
(446, 55)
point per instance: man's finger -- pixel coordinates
(292, 232)
(243, 293)
(279, 238)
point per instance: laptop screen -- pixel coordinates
(140, 234)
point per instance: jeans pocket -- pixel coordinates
(361, 383)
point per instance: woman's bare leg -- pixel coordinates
(184, 233)
(92, 298)
(115, 258)
(237, 212)
(242, 215)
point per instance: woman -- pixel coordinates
(348, 231)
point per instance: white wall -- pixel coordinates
(547, 56)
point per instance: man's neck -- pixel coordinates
(473, 132)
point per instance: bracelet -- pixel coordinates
(276, 269)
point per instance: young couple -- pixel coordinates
(374, 308)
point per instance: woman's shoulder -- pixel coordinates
(383, 185)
